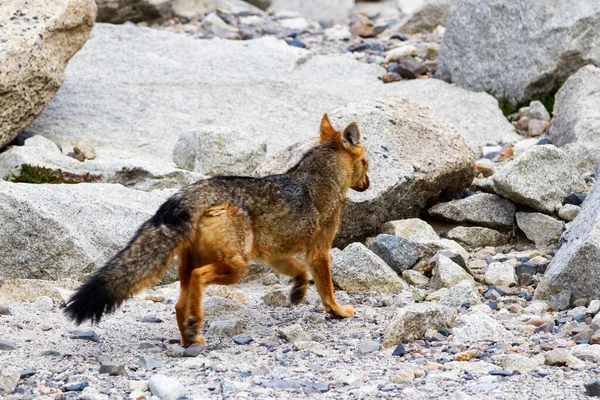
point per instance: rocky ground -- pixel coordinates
(491, 293)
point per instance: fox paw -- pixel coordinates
(298, 291)
(342, 311)
(191, 331)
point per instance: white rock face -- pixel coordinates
(37, 43)
(576, 127)
(540, 178)
(501, 274)
(165, 388)
(67, 231)
(479, 53)
(219, 151)
(411, 322)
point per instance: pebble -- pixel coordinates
(229, 327)
(152, 319)
(277, 296)
(556, 357)
(293, 333)
(575, 198)
(85, 149)
(5, 310)
(6, 345)
(194, 350)
(76, 386)
(148, 362)
(592, 387)
(399, 351)
(86, 335)
(43, 303)
(165, 388)
(561, 301)
(568, 212)
(368, 346)
(112, 369)
(593, 308)
(243, 340)
(9, 378)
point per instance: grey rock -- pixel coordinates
(52, 245)
(522, 364)
(194, 350)
(541, 229)
(587, 352)
(412, 321)
(149, 363)
(479, 327)
(519, 69)
(399, 253)
(262, 4)
(576, 126)
(575, 265)
(217, 307)
(219, 151)
(6, 345)
(501, 274)
(368, 346)
(277, 296)
(464, 292)
(561, 301)
(541, 178)
(475, 236)
(5, 310)
(112, 369)
(415, 278)
(357, 270)
(228, 327)
(315, 9)
(426, 17)
(43, 303)
(482, 209)
(538, 111)
(446, 273)
(34, 54)
(9, 377)
(165, 388)
(397, 152)
(413, 229)
(88, 335)
(293, 333)
(593, 308)
(568, 212)
(486, 123)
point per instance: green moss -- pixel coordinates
(34, 174)
(511, 105)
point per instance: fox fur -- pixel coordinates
(217, 226)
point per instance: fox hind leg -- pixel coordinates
(297, 270)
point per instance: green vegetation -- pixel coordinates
(34, 174)
(511, 106)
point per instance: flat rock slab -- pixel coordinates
(483, 209)
(542, 48)
(540, 228)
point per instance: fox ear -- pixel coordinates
(327, 133)
(351, 134)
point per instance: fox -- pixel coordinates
(217, 226)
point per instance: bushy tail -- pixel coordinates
(141, 262)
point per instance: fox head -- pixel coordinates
(349, 141)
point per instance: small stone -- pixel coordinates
(240, 297)
(277, 296)
(399, 351)
(465, 355)
(53, 353)
(75, 387)
(112, 369)
(397, 252)
(26, 373)
(537, 127)
(5, 310)
(463, 292)
(415, 278)
(194, 350)
(593, 308)
(568, 212)
(403, 376)
(296, 43)
(86, 335)
(592, 387)
(525, 279)
(540, 228)
(293, 333)
(446, 273)
(270, 280)
(391, 77)
(556, 357)
(43, 303)
(561, 301)
(484, 166)
(151, 319)
(148, 362)
(409, 68)
(368, 346)
(362, 27)
(500, 372)
(242, 340)
(575, 198)
(545, 328)
(476, 236)
(230, 327)
(536, 110)
(9, 378)
(6, 345)
(165, 388)
(584, 336)
(86, 149)
(501, 274)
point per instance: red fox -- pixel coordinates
(217, 226)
